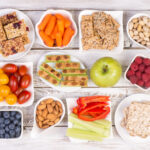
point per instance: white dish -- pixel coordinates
(118, 16)
(62, 12)
(31, 33)
(36, 131)
(71, 103)
(59, 88)
(18, 138)
(119, 116)
(30, 88)
(136, 16)
(125, 77)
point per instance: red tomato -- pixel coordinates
(13, 83)
(18, 91)
(23, 97)
(23, 70)
(17, 75)
(25, 81)
(10, 68)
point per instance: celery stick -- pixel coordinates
(77, 126)
(95, 127)
(105, 123)
(83, 134)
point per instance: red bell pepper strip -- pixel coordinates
(100, 116)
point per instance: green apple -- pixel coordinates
(106, 72)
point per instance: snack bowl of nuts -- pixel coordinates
(49, 112)
(138, 30)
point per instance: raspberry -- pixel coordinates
(146, 61)
(138, 60)
(134, 66)
(145, 77)
(140, 83)
(147, 70)
(133, 79)
(141, 67)
(138, 74)
(147, 85)
(130, 73)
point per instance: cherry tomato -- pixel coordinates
(13, 83)
(1, 71)
(11, 99)
(18, 91)
(23, 70)
(10, 68)
(17, 75)
(25, 81)
(23, 97)
(1, 98)
(4, 90)
(4, 78)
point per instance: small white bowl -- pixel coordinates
(133, 17)
(125, 77)
(18, 138)
(66, 14)
(36, 130)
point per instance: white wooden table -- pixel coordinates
(56, 138)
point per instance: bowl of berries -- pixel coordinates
(138, 72)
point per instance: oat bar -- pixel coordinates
(73, 72)
(56, 58)
(51, 71)
(2, 33)
(9, 18)
(67, 65)
(74, 83)
(47, 77)
(76, 78)
(15, 29)
(25, 39)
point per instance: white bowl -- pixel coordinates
(118, 16)
(36, 131)
(30, 88)
(18, 138)
(65, 14)
(133, 17)
(31, 33)
(119, 115)
(125, 77)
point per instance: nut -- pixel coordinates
(45, 112)
(40, 118)
(49, 108)
(41, 106)
(56, 120)
(49, 101)
(59, 104)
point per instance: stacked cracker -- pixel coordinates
(99, 31)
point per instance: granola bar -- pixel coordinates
(74, 83)
(67, 65)
(56, 58)
(25, 39)
(15, 29)
(2, 33)
(9, 18)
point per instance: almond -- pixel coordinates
(60, 110)
(49, 108)
(45, 121)
(45, 126)
(51, 117)
(53, 104)
(58, 103)
(55, 112)
(57, 120)
(49, 101)
(40, 124)
(41, 107)
(51, 123)
(40, 118)
(45, 112)
(59, 114)
(57, 108)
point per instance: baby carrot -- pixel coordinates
(60, 25)
(59, 16)
(67, 36)
(50, 25)
(53, 35)
(59, 39)
(67, 23)
(47, 40)
(44, 22)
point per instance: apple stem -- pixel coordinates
(105, 68)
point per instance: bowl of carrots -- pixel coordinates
(56, 29)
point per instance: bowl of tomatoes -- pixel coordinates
(16, 84)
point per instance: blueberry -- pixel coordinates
(12, 118)
(11, 126)
(2, 131)
(18, 129)
(0, 114)
(2, 125)
(7, 136)
(1, 120)
(12, 113)
(12, 133)
(7, 121)
(6, 114)
(18, 134)
(18, 116)
(1, 135)
(6, 129)
(16, 122)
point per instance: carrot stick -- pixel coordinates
(59, 16)
(47, 40)
(50, 25)
(59, 39)
(67, 23)
(67, 36)
(53, 35)
(44, 22)
(61, 26)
